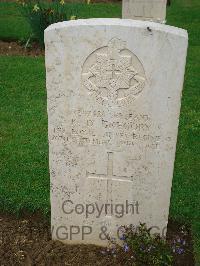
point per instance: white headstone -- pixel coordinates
(114, 94)
(154, 10)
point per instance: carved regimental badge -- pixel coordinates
(113, 74)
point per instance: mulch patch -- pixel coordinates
(15, 48)
(27, 241)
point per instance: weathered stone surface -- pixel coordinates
(154, 10)
(114, 91)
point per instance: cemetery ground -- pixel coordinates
(24, 178)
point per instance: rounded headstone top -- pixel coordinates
(152, 26)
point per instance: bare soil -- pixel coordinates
(27, 241)
(15, 48)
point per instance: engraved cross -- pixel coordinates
(109, 177)
(113, 70)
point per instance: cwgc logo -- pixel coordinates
(113, 74)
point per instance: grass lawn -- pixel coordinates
(24, 181)
(24, 178)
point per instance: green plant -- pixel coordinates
(14, 25)
(146, 248)
(40, 15)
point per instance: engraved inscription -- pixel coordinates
(118, 131)
(113, 74)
